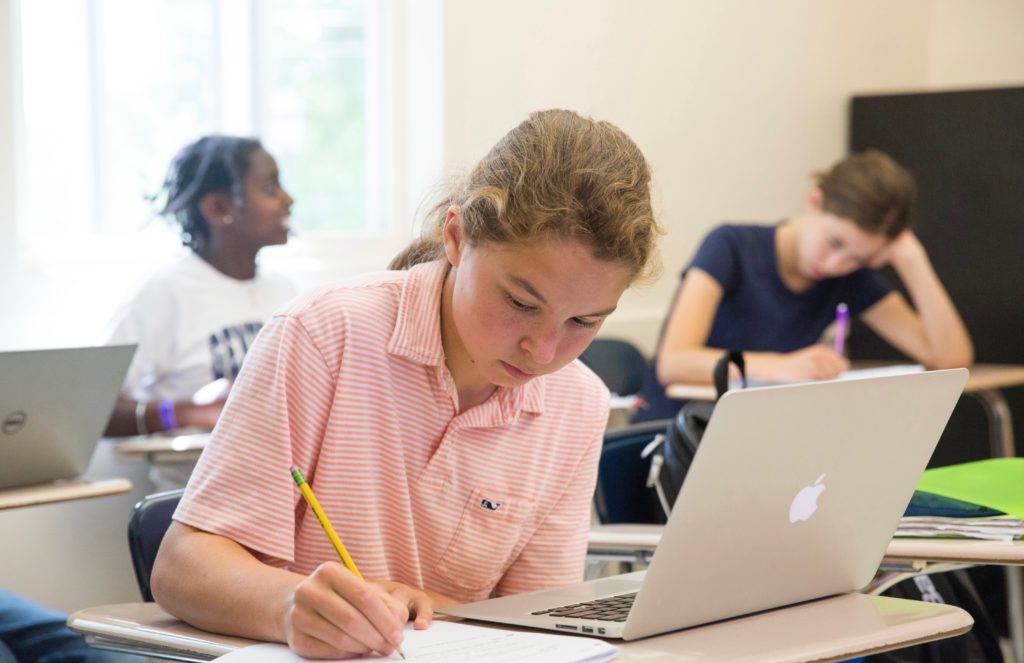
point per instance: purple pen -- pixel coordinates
(842, 323)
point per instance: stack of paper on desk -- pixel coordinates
(997, 528)
(617, 402)
(936, 515)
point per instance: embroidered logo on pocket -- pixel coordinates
(492, 506)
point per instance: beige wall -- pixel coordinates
(734, 102)
(976, 44)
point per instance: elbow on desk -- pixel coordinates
(958, 359)
(159, 581)
(681, 366)
(661, 370)
(667, 369)
(169, 576)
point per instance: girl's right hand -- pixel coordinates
(334, 614)
(815, 362)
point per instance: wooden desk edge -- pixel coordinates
(144, 626)
(983, 377)
(962, 551)
(51, 493)
(162, 443)
(939, 635)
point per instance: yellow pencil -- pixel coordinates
(307, 492)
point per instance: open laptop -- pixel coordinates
(793, 495)
(54, 405)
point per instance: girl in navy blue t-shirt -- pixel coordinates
(772, 291)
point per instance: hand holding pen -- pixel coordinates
(815, 362)
(370, 616)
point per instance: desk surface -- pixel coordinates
(829, 629)
(164, 448)
(983, 377)
(626, 538)
(973, 551)
(994, 376)
(61, 491)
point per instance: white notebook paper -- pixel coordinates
(852, 374)
(457, 642)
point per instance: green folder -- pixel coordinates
(997, 483)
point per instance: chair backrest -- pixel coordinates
(147, 524)
(619, 363)
(622, 495)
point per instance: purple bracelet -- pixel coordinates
(167, 418)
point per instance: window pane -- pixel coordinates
(116, 87)
(58, 193)
(314, 104)
(156, 92)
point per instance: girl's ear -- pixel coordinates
(816, 200)
(217, 209)
(451, 235)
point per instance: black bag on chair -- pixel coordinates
(671, 459)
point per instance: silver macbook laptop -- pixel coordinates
(54, 405)
(794, 495)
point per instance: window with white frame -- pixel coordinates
(111, 89)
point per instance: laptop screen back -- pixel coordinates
(54, 405)
(794, 494)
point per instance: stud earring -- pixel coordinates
(228, 219)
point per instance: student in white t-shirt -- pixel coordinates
(195, 319)
(438, 412)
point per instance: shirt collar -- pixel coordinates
(417, 335)
(417, 332)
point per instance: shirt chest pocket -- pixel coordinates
(481, 547)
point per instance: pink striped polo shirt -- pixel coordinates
(350, 385)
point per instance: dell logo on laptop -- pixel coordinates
(14, 422)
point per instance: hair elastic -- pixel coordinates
(167, 417)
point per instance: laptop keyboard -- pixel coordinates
(609, 609)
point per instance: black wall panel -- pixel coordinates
(966, 150)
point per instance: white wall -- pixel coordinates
(976, 44)
(75, 554)
(7, 115)
(734, 102)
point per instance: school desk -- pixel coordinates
(164, 448)
(985, 385)
(936, 555)
(905, 557)
(831, 629)
(61, 491)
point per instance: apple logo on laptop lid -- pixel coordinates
(806, 501)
